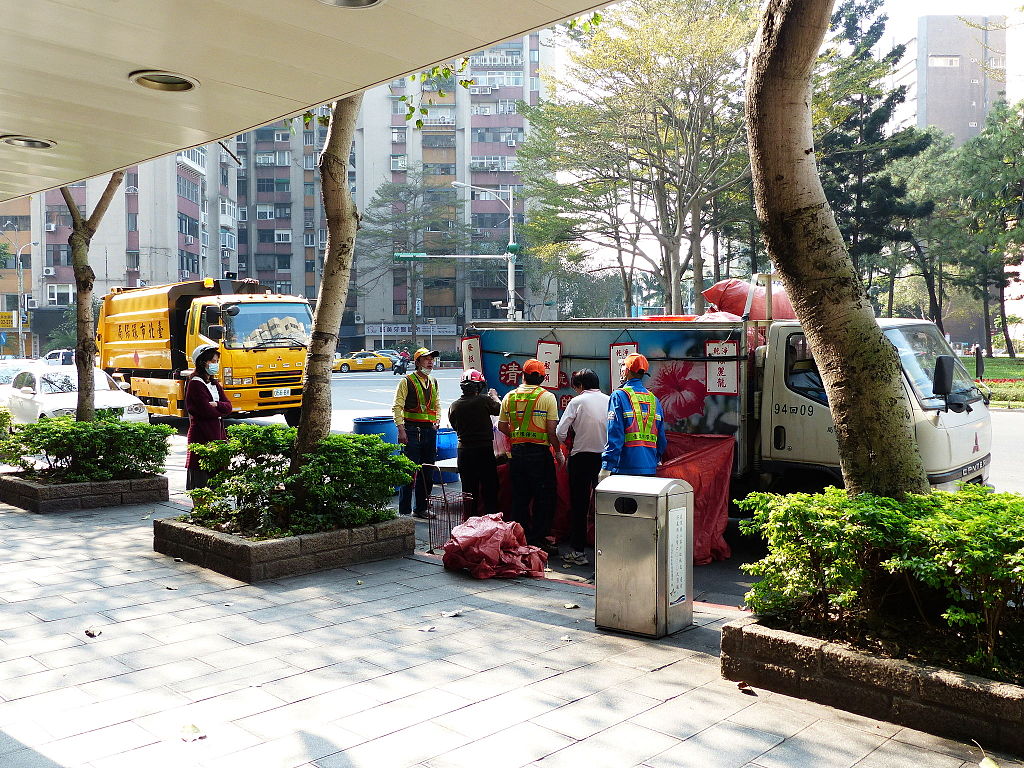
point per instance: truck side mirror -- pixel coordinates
(212, 314)
(979, 364)
(942, 380)
(215, 332)
(231, 310)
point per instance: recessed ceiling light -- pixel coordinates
(29, 142)
(353, 3)
(159, 80)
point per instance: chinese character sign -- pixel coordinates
(549, 352)
(616, 354)
(471, 353)
(722, 377)
(508, 373)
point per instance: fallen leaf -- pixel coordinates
(192, 733)
(986, 761)
(741, 685)
(179, 560)
(428, 629)
(571, 605)
(170, 587)
(91, 632)
(451, 614)
(227, 605)
(359, 582)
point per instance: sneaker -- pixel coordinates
(424, 515)
(575, 558)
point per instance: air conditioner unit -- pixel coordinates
(511, 142)
(31, 304)
(189, 239)
(358, 318)
(49, 271)
(50, 227)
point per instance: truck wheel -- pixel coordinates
(291, 416)
(344, 368)
(380, 367)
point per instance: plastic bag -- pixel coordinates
(488, 547)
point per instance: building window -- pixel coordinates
(59, 295)
(400, 308)
(187, 225)
(282, 135)
(264, 158)
(308, 189)
(131, 260)
(535, 55)
(438, 141)
(309, 240)
(283, 286)
(439, 169)
(264, 134)
(131, 180)
(283, 185)
(397, 107)
(241, 186)
(308, 138)
(501, 135)
(310, 266)
(264, 235)
(228, 208)
(398, 162)
(284, 262)
(188, 189)
(265, 263)
(282, 211)
(283, 157)
(56, 255)
(308, 162)
(243, 214)
(398, 135)
(534, 83)
(264, 185)
(133, 221)
(282, 235)
(242, 138)
(264, 211)
(938, 60)
(228, 240)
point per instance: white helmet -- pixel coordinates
(200, 350)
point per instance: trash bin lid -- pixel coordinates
(638, 485)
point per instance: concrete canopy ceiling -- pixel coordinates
(66, 67)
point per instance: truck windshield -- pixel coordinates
(918, 347)
(278, 324)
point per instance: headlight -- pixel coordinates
(247, 380)
(137, 408)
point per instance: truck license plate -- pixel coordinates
(281, 392)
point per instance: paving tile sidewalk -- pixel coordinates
(359, 667)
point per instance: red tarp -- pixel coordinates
(488, 547)
(705, 462)
(731, 296)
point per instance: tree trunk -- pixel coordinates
(753, 249)
(986, 311)
(924, 261)
(716, 265)
(696, 258)
(860, 368)
(1002, 319)
(342, 223)
(82, 233)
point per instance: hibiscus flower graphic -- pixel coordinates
(680, 390)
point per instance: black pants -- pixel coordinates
(583, 471)
(479, 474)
(421, 448)
(532, 472)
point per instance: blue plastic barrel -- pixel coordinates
(447, 448)
(376, 425)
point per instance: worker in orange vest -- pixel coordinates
(529, 417)
(416, 414)
(636, 424)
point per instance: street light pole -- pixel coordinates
(512, 248)
(21, 297)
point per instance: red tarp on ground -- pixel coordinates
(488, 547)
(731, 296)
(705, 462)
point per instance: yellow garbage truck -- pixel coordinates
(146, 337)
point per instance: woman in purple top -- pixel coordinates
(206, 405)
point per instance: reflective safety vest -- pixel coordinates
(642, 425)
(421, 402)
(520, 416)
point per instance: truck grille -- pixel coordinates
(279, 379)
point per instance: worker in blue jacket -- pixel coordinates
(636, 425)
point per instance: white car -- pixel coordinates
(48, 391)
(8, 370)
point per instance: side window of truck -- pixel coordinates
(801, 371)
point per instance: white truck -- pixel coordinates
(757, 381)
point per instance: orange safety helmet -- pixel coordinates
(636, 363)
(534, 366)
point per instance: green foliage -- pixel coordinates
(85, 451)
(834, 559)
(348, 480)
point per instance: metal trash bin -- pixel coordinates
(643, 541)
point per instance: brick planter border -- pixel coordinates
(930, 699)
(43, 497)
(258, 560)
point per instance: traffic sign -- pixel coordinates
(3, 339)
(8, 320)
(409, 256)
(419, 306)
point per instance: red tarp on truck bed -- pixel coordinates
(705, 462)
(731, 296)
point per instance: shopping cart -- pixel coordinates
(449, 509)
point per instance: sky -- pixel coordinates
(903, 14)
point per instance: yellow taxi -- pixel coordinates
(361, 361)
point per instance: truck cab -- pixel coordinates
(797, 432)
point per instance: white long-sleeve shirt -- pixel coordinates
(587, 414)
